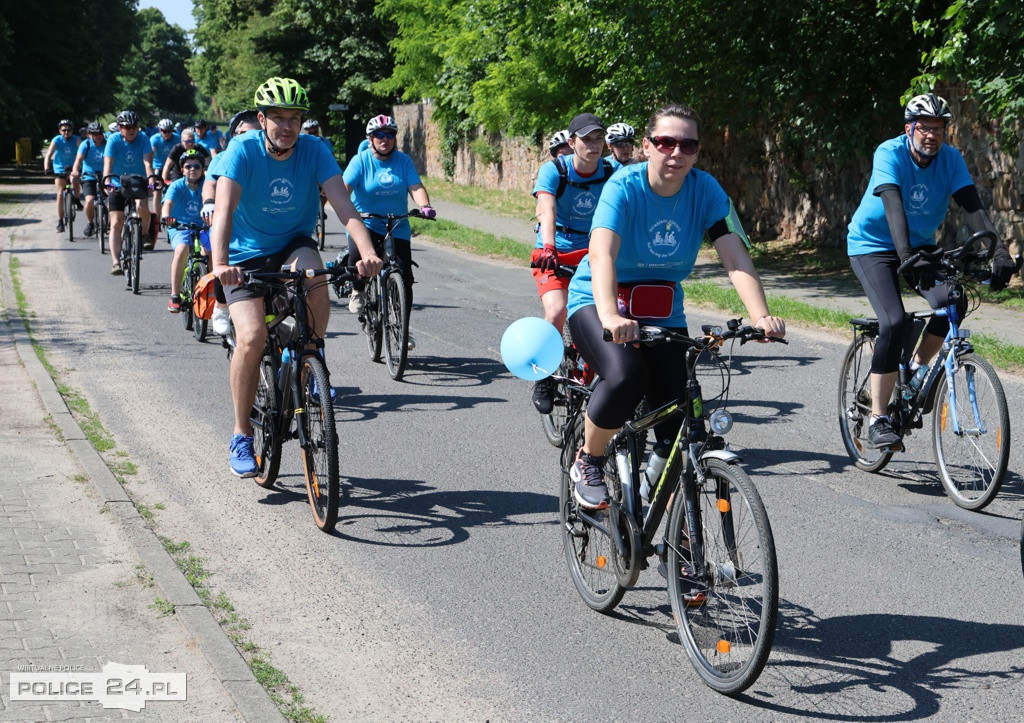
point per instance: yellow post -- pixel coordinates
(23, 152)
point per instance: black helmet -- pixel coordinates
(243, 116)
(65, 122)
(127, 118)
(190, 155)
(94, 127)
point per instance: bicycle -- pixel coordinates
(971, 422)
(102, 217)
(68, 201)
(320, 233)
(196, 267)
(384, 319)
(294, 386)
(134, 189)
(718, 550)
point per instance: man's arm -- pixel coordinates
(229, 192)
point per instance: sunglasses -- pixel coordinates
(381, 135)
(188, 140)
(667, 144)
(192, 167)
(131, 128)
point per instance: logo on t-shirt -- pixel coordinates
(584, 205)
(281, 190)
(192, 208)
(386, 179)
(661, 240)
(918, 197)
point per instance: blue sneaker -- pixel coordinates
(242, 460)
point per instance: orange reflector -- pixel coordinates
(999, 438)
(723, 646)
(724, 506)
(944, 416)
(602, 561)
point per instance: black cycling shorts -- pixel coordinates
(273, 262)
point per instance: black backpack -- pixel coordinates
(563, 176)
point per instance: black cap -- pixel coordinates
(585, 123)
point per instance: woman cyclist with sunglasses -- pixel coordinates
(379, 181)
(646, 232)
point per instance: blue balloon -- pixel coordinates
(531, 348)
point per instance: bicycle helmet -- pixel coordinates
(928, 105)
(311, 123)
(561, 138)
(190, 155)
(201, 123)
(165, 125)
(242, 116)
(619, 132)
(127, 118)
(281, 93)
(381, 123)
(94, 127)
(65, 123)
(112, 127)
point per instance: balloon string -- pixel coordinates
(541, 369)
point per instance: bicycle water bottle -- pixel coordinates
(655, 466)
(915, 383)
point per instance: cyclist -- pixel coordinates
(171, 171)
(162, 142)
(912, 179)
(61, 154)
(621, 138)
(111, 130)
(559, 144)
(206, 139)
(184, 202)
(645, 236)
(378, 182)
(265, 210)
(89, 167)
(240, 123)
(126, 152)
(312, 127)
(567, 190)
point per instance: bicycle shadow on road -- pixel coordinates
(436, 371)
(351, 405)
(881, 667)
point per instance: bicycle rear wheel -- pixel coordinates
(589, 551)
(727, 618)
(396, 326)
(371, 317)
(102, 226)
(266, 433)
(136, 258)
(972, 464)
(200, 327)
(69, 215)
(855, 406)
(320, 455)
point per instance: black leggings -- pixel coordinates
(877, 274)
(628, 374)
(403, 250)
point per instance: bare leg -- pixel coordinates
(250, 338)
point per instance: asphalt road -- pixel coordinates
(444, 593)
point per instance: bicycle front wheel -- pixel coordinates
(972, 461)
(102, 226)
(266, 433)
(554, 422)
(726, 613)
(396, 326)
(371, 317)
(185, 298)
(69, 215)
(320, 455)
(589, 551)
(200, 327)
(855, 406)
(136, 258)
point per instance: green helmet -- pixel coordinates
(281, 93)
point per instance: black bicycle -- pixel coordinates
(196, 267)
(293, 397)
(135, 189)
(971, 421)
(102, 217)
(320, 233)
(718, 552)
(67, 200)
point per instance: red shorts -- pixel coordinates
(549, 282)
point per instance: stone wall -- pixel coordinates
(816, 206)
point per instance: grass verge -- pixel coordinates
(514, 204)
(461, 237)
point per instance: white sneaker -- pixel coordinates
(221, 321)
(355, 302)
(411, 344)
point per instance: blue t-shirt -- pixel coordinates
(64, 153)
(660, 237)
(381, 187)
(185, 203)
(363, 145)
(280, 200)
(128, 158)
(926, 193)
(214, 171)
(92, 159)
(161, 148)
(210, 142)
(575, 209)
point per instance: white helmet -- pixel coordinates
(311, 123)
(381, 123)
(561, 138)
(165, 124)
(928, 105)
(619, 132)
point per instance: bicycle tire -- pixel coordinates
(102, 226)
(266, 435)
(728, 636)
(589, 553)
(200, 327)
(972, 465)
(554, 423)
(69, 215)
(855, 406)
(321, 229)
(320, 456)
(136, 259)
(185, 297)
(371, 317)
(125, 257)
(396, 326)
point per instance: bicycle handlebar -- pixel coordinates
(563, 270)
(713, 335)
(966, 251)
(413, 213)
(158, 185)
(174, 223)
(286, 272)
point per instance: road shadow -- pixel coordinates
(435, 371)
(351, 405)
(5, 222)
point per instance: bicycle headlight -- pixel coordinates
(721, 421)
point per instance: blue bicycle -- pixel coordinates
(971, 422)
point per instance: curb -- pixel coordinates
(251, 700)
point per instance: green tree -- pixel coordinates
(155, 80)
